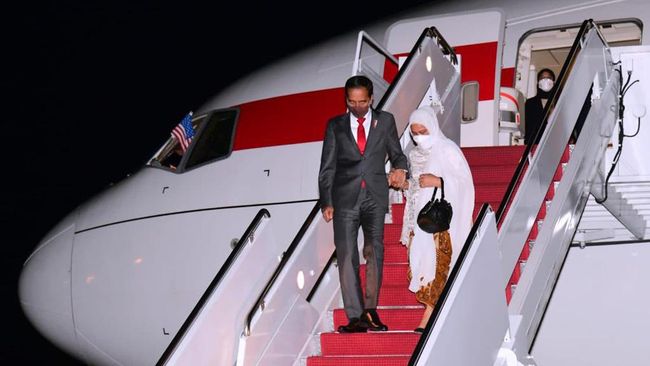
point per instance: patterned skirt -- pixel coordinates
(430, 293)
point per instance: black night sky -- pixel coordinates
(92, 89)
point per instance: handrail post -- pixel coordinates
(378, 47)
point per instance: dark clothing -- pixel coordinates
(535, 115)
(367, 214)
(342, 170)
(343, 167)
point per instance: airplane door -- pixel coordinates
(477, 37)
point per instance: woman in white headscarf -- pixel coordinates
(432, 255)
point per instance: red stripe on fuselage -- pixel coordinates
(478, 63)
(508, 77)
(289, 119)
(301, 118)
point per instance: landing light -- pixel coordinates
(300, 280)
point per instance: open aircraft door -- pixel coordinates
(478, 40)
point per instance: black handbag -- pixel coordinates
(435, 216)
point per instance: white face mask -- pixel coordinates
(545, 84)
(424, 142)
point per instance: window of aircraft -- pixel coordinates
(549, 47)
(214, 140)
(171, 154)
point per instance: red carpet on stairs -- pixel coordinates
(530, 241)
(492, 169)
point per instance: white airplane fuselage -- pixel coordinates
(114, 280)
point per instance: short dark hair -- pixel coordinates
(358, 81)
(545, 70)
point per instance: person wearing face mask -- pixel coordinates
(431, 256)
(535, 105)
(354, 193)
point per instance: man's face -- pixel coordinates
(358, 101)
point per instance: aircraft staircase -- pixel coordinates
(492, 169)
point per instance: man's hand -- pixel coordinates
(396, 178)
(328, 213)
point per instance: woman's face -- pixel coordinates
(418, 129)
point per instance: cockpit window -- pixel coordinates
(212, 141)
(171, 153)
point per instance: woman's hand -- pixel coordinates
(429, 180)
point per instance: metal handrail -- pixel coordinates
(248, 234)
(444, 295)
(550, 105)
(375, 45)
(430, 32)
(259, 304)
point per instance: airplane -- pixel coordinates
(177, 265)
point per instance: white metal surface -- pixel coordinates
(599, 314)
(633, 161)
(462, 335)
(224, 183)
(213, 337)
(284, 326)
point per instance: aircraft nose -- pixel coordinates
(44, 287)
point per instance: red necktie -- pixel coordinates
(361, 135)
(361, 141)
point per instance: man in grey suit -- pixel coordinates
(354, 192)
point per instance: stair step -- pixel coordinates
(396, 319)
(492, 155)
(495, 174)
(489, 192)
(396, 296)
(394, 274)
(392, 233)
(395, 254)
(397, 211)
(371, 343)
(358, 360)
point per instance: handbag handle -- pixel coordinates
(442, 190)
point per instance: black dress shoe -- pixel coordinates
(354, 326)
(371, 318)
(419, 330)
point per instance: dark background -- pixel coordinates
(92, 89)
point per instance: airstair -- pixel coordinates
(504, 273)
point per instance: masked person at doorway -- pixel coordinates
(535, 105)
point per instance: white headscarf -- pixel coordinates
(444, 159)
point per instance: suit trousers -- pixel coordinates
(370, 217)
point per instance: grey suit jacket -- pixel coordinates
(343, 167)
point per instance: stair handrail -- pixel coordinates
(286, 255)
(585, 27)
(364, 36)
(430, 32)
(246, 237)
(453, 275)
